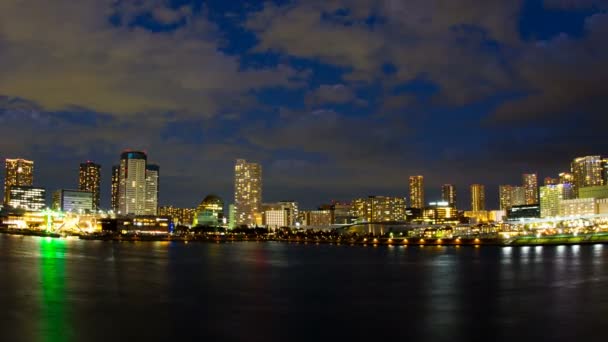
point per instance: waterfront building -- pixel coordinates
(73, 201)
(115, 186)
(579, 206)
(137, 185)
(152, 189)
(231, 217)
(478, 198)
(448, 194)
(586, 171)
(517, 212)
(440, 213)
(598, 191)
(210, 212)
(276, 218)
(417, 192)
(605, 171)
(480, 216)
(27, 197)
(247, 193)
(317, 218)
(89, 179)
(19, 172)
(497, 215)
(179, 216)
(380, 209)
(288, 208)
(530, 184)
(343, 213)
(551, 197)
(137, 224)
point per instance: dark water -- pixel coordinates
(71, 290)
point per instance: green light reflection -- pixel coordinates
(53, 320)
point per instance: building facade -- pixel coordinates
(448, 194)
(210, 212)
(179, 216)
(530, 184)
(137, 185)
(115, 197)
(247, 192)
(74, 201)
(89, 179)
(417, 192)
(579, 206)
(19, 172)
(478, 197)
(379, 209)
(152, 189)
(27, 197)
(551, 197)
(586, 171)
(598, 191)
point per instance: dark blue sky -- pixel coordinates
(336, 98)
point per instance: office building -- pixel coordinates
(19, 172)
(115, 186)
(579, 207)
(440, 213)
(27, 197)
(598, 191)
(519, 212)
(152, 189)
(605, 171)
(210, 212)
(551, 197)
(505, 193)
(318, 218)
(247, 192)
(89, 179)
(586, 171)
(179, 216)
(530, 184)
(417, 192)
(478, 197)
(74, 201)
(448, 194)
(379, 209)
(289, 210)
(343, 213)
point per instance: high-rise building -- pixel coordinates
(115, 186)
(505, 196)
(137, 185)
(19, 172)
(448, 194)
(586, 171)
(380, 209)
(89, 179)
(530, 184)
(417, 192)
(551, 197)
(152, 187)
(478, 198)
(566, 178)
(74, 201)
(247, 192)
(518, 196)
(605, 171)
(27, 197)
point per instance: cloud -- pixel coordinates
(336, 93)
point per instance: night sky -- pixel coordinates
(337, 99)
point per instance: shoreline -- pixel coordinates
(522, 241)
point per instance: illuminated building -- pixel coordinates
(247, 192)
(19, 172)
(115, 187)
(518, 196)
(602, 206)
(289, 210)
(152, 186)
(137, 185)
(379, 209)
(417, 192)
(605, 171)
(275, 218)
(551, 181)
(551, 197)
(27, 197)
(479, 216)
(74, 201)
(478, 198)
(210, 212)
(579, 206)
(523, 212)
(448, 194)
(137, 224)
(89, 179)
(586, 171)
(440, 213)
(565, 178)
(315, 218)
(179, 216)
(505, 196)
(343, 213)
(598, 191)
(530, 184)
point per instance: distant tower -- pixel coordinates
(115, 186)
(19, 172)
(132, 186)
(448, 194)
(530, 184)
(506, 197)
(586, 171)
(152, 179)
(247, 192)
(89, 180)
(478, 197)
(417, 192)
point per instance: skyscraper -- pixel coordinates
(417, 192)
(605, 171)
(19, 172)
(247, 192)
(551, 197)
(137, 185)
(89, 180)
(448, 194)
(586, 171)
(506, 199)
(530, 184)
(115, 186)
(566, 178)
(478, 198)
(152, 187)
